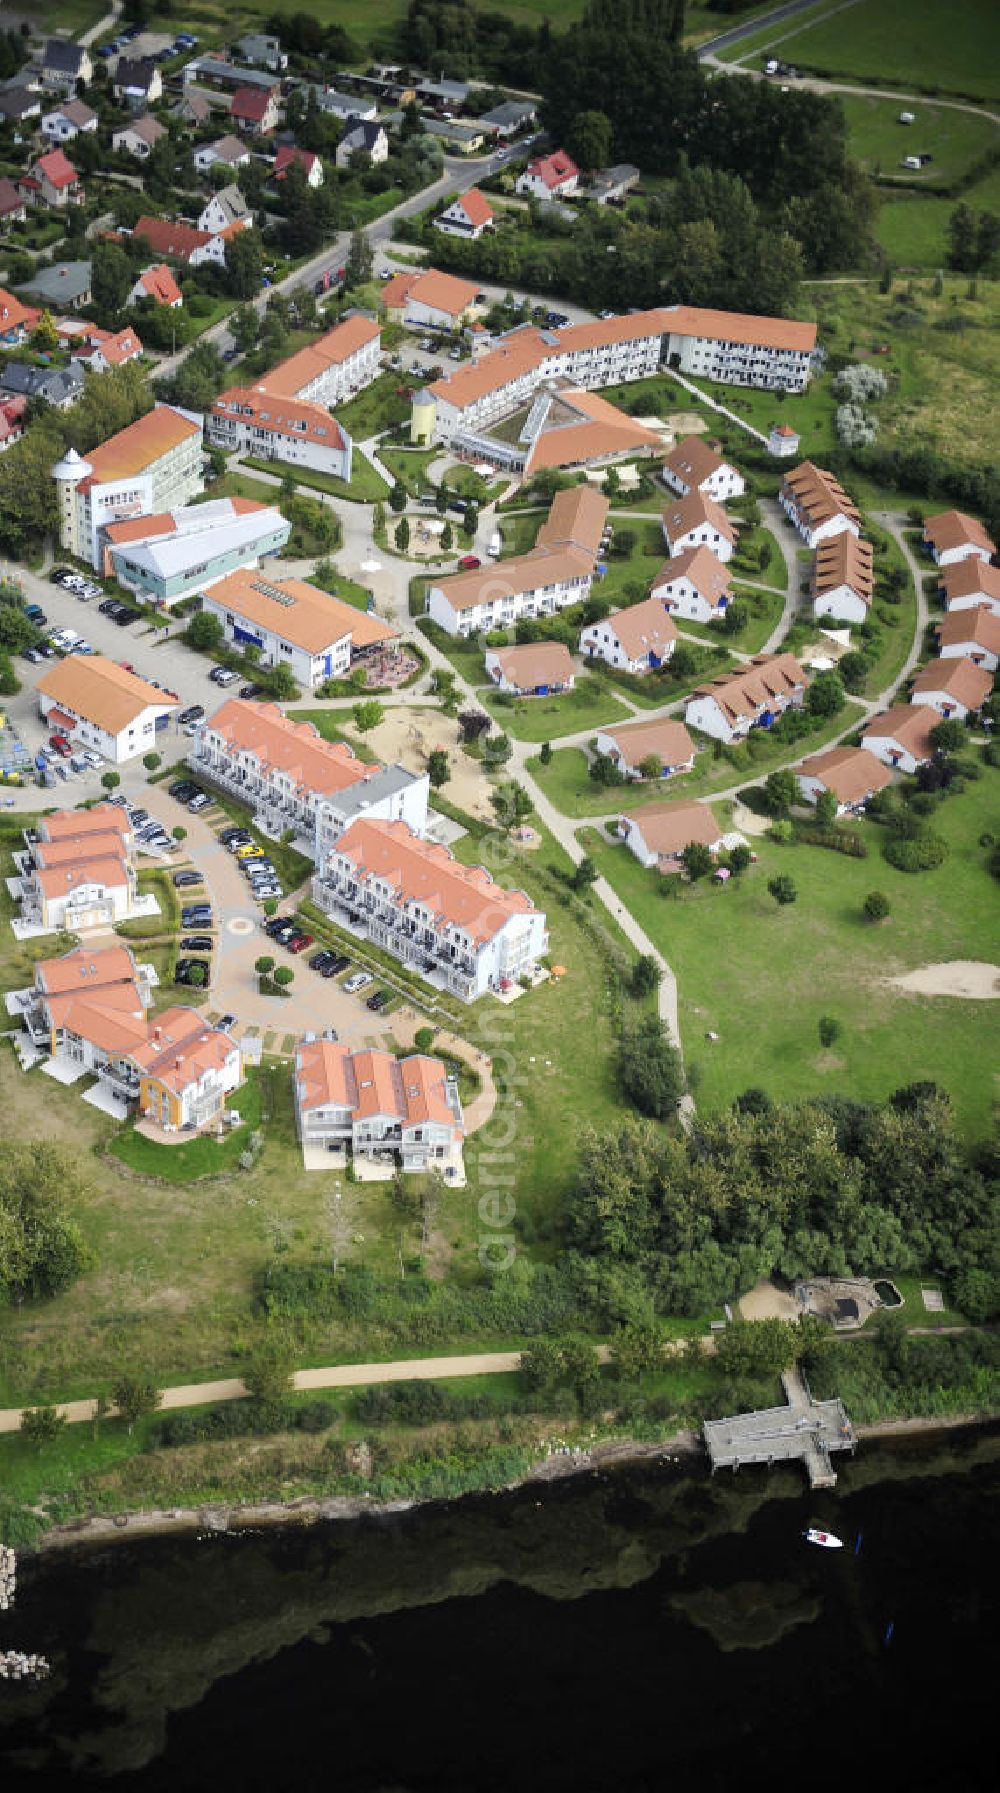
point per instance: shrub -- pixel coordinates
(923, 853)
(829, 1030)
(876, 906)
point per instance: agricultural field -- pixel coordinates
(761, 977)
(934, 47)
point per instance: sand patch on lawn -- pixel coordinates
(748, 821)
(766, 1302)
(972, 978)
(409, 737)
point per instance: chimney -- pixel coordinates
(157, 1035)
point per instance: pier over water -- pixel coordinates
(807, 1429)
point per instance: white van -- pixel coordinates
(912, 162)
(496, 545)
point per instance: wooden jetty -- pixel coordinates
(806, 1429)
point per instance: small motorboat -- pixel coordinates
(826, 1540)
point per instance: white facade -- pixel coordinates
(167, 478)
(739, 363)
(60, 129)
(552, 593)
(362, 137)
(893, 752)
(841, 602)
(138, 736)
(700, 535)
(973, 650)
(722, 484)
(602, 641)
(682, 598)
(310, 668)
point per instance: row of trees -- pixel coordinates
(828, 1185)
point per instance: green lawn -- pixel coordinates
(745, 563)
(879, 142)
(409, 465)
(913, 229)
(364, 487)
(379, 407)
(348, 590)
(761, 976)
(765, 612)
(934, 47)
(202, 1157)
(567, 783)
(546, 718)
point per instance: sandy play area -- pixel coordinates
(765, 1302)
(410, 736)
(972, 978)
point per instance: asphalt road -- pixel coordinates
(760, 21)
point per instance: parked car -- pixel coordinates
(299, 942)
(469, 563)
(320, 960)
(194, 972)
(59, 574)
(124, 616)
(193, 713)
(378, 1001)
(91, 759)
(340, 963)
(262, 893)
(248, 691)
(247, 849)
(198, 803)
(33, 654)
(184, 789)
(196, 915)
(358, 981)
(225, 1022)
(230, 833)
(197, 943)
(184, 880)
(222, 675)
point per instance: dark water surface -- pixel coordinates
(644, 1628)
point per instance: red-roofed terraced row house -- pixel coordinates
(447, 921)
(379, 1105)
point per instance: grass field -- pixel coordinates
(879, 142)
(761, 977)
(364, 487)
(567, 783)
(933, 47)
(204, 1157)
(913, 229)
(546, 718)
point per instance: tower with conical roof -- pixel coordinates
(68, 474)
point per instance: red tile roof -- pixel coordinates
(554, 170)
(252, 103)
(159, 284)
(57, 169)
(170, 237)
(288, 155)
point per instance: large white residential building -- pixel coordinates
(740, 350)
(448, 921)
(76, 871)
(331, 370)
(695, 586)
(695, 466)
(153, 465)
(295, 624)
(951, 537)
(379, 1105)
(639, 639)
(97, 704)
(816, 503)
(843, 578)
(698, 522)
(900, 737)
(292, 778)
(166, 558)
(246, 420)
(754, 696)
(557, 572)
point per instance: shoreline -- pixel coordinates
(312, 1509)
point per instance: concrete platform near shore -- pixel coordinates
(806, 1429)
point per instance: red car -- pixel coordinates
(469, 563)
(126, 665)
(299, 943)
(60, 745)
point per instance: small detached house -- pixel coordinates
(754, 696)
(67, 121)
(64, 63)
(695, 466)
(658, 834)
(225, 209)
(900, 737)
(968, 583)
(640, 639)
(698, 522)
(635, 745)
(972, 635)
(695, 586)
(955, 688)
(227, 150)
(13, 205)
(782, 441)
(157, 283)
(139, 137)
(137, 82)
(536, 669)
(951, 536)
(851, 773)
(549, 177)
(255, 110)
(18, 104)
(56, 181)
(467, 216)
(289, 157)
(16, 320)
(101, 349)
(611, 185)
(363, 136)
(843, 578)
(817, 505)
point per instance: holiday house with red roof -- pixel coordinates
(467, 216)
(549, 177)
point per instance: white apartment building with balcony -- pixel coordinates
(378, 1105)
(152, 466)
(557, 572)
(447, 921)
(291, 778)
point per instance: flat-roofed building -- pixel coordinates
(843, 578)
(292, 778)
(448, 921)
(635, 745)
(558, 571)
(754, 696)
(377, 1104)
(168, 557)
(639, 639)
(292, 623)
(97, 704)
(153, 465)
(815, 502)
(852, 774)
